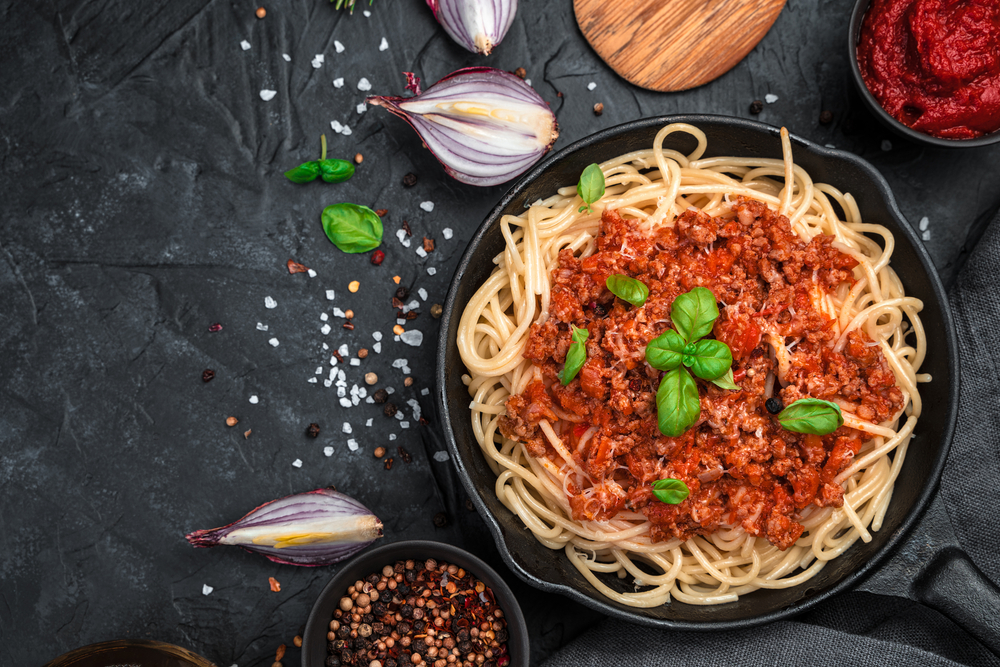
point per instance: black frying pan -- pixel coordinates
(550, 570)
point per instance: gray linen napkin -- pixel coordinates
(860, 628)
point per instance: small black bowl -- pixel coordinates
(314, 638)
(854, 34)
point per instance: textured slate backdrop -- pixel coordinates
(141, 200)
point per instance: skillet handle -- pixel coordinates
(954, 586)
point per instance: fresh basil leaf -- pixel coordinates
(576, 355)
(677, 404)
(352, 228)
(671, 491)
(664, 352)
(305, 172)
(693, 313)
(709, 358)
(811, 415)
(627, 289)
(726, 381)
(335, 171)
(591, 186)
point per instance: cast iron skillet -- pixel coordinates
(550, 570)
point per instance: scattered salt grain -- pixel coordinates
(355, 400)
(342, 393)
(383, 45)
(362, 107)
(325, 329)
(399, 416)
(447, 233)
(352, 445)
(346, 131)
(390, 390)
(355, 361)
(369, 422)
(261, 327)
(345, 403)
(399, 363)
(343, 350)
(319, 370)
(401, 235)
(245, 45)
(312, 273)
(364, 84)
(400, 321)
(377, 335)
(886, 145)
(591, 85)
(287, 57)
(268, 95)
(377, 347)
(528, 81)
(338, 82)
(395, 339)
(415, 404)
(425, 391)
(412, 337)
(423, 294)
(392, 436)
(924, 223)
(206, 589)
(336, 127)
(325, 346)
(274, 342)
(317, 61)
(312, 380)
(346, 428)
(431, 270)
(421, 252)
(770, 98)
(323, 317)
(369, 400)
(342, 375)
(329, 295)
(413, 305)
(297, 463)
(926, 236)
(441, 456)
(337, 312)
(404, 424)
(427, 206)
(367, 14)
(337, 45)
(269, 302)
(328, 451)
(254, 400)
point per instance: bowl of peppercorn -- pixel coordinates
(415, 603)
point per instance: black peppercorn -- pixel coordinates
(313, 430)
(332, 646)
(344, 632)
(403, 589)
(389, 410)
(501, 636)
(410, 576)
(463, 635)
(419, 646)
(368, 618)
(756, 107)
(410, 180)
(464, 646)
(406, 611)
(379, 609)
(332, 661)
(372, 579)
(440, 520)
(207, 375)
(825, 117)
(403, 628)
(381, 396)
(774, 405)
(418, 626)
(402, 293)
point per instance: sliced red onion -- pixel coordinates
(478, 25)
(314, 528)
(485, 126)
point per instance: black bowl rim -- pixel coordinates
(801, 606)
(95, 653)
(853, 34)
(441, 551)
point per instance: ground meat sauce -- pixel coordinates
(934, 65)
(741, 467)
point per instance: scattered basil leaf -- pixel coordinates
(671, 491)
(709, 358)
(591, 186)
(335, 171)
(628, 289)
(811, 415)
(693, 313)
(305, 172)
(677, 402)
(352, 228)
(664, 352)
(576, 355)
(726, 381)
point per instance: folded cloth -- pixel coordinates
(861, 628)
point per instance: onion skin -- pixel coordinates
(477, 25)
(315, 528)
(486, 126)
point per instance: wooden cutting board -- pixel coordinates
(670, 45)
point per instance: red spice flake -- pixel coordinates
(338, 356)
(381, 212)
(215, 327)
(377, 257)
(388, 463)
(295, 267)
(423, 421)
(396, 303)
(404, 454)
(349, 326)
(207, 375)
(412, 315)
(428, 245)
(406, 228)
(280, 653)
(275, 586)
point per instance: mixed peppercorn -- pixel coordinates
(418, 613)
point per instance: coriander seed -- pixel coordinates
(261, 12)
(363, 353)
(408, 382)
(232, 421)
(370, 378)
(349, 314)
(379, 452)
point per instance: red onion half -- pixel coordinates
(478, 25)
(485, 126)
(314, 528)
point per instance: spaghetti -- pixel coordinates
(714, 550)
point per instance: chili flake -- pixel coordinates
(295, 267)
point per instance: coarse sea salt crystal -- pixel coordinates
(415, 404)
(377, 347)
(421, 252)
(337, 45)
(261, 327)
(269, 302)
(345, 403)
(924, 223)
(425, 391)
(369, 400)
(346, 131)
(431, 270)
(355, 361)
(338, 83)
(254, 400)
(413, 305)
(333, 360)
(399, 363)
(369, 422)
(404, 424)
(325, 329)
(367, 14)
(324, 317)
(297, 463)
(770, 98)
(427, 206)
(423, 294)
(361, 108)
(377, 335)
(342, 375)
(274, 342)
(401, 235)
(341, 393)
(399, 416)
(346, 428)
(528, 81)
(245, 45)
(355, 400)
(390, 390)
(325, 346)
(352, 444)
(447, 233)
(312, 273)
(337, 312)
(329, 295)
(287, 57)
(336, 127)
(206, 589)
(591, 85)
(383, 45)
(343, 350)
(313, 380)
(319, 370)
(364, 84)
(318, 60)
(926, 236)
(392, 436)
(268, 95)
(328, 451)
(401, 321)
(395, 339)
(441, 456)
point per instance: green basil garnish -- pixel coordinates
(627, 289)
(708, 358)
(811, 415)
(677, 403)
(305, 172)
(352, 228)
(335, 171)
(576, 355)
(332, 171)
(665, 351)
(591, 186)
(727, 381)
(693, 313)
(671, 491)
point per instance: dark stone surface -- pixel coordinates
(141, 201)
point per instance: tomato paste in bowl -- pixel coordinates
(934, 65)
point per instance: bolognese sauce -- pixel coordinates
(740, 466)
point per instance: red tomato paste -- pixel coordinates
(934, 65)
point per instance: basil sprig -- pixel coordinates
(675, 350)
(352, 228)
(576, 355)
(591, 186)
(671, 491)
(331, 171)
(811, 415)
(627, 289)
